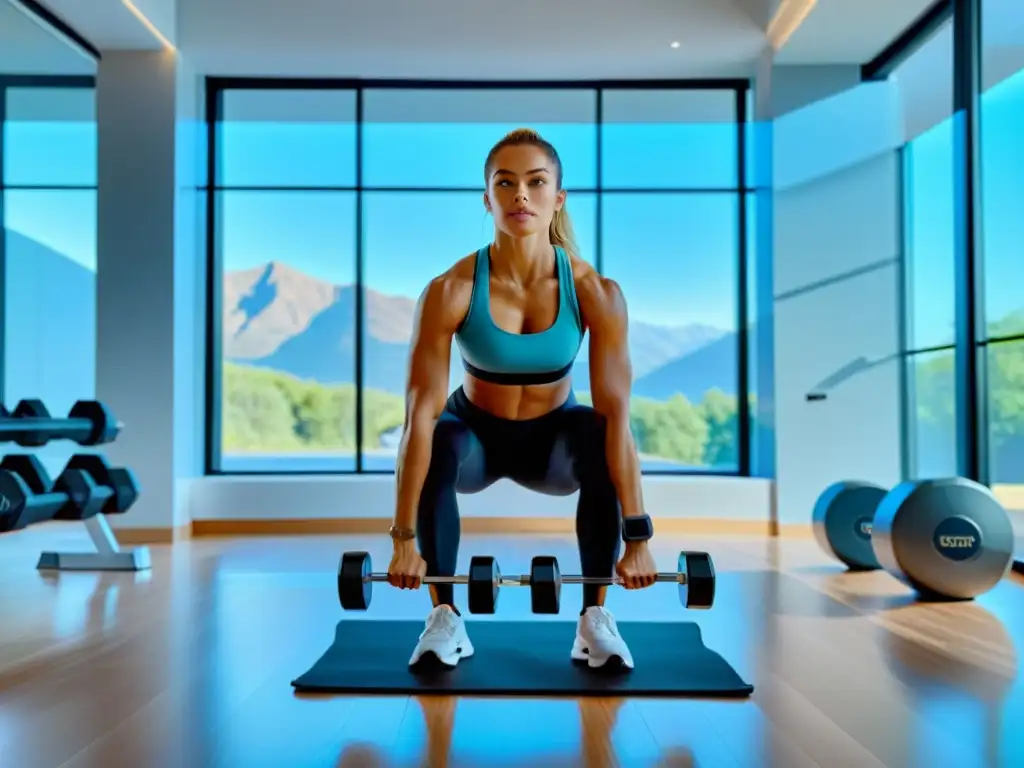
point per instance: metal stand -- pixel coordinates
(107, 557)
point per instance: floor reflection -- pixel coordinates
(959, 676)
(195, 661)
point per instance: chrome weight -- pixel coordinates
(842, 522)
(948, 539)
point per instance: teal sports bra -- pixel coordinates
(493, 354)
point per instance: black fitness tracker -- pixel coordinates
(638, 528)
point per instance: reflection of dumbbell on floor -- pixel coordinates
(946, 539)
(28, 496)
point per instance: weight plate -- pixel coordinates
(354, 588)
(484, 578)
(842, 522)
(80, 490)
(126, 489)
(697, 590)
(30, 469)
(95, 464)
(14, 495)
(31, 409)
(545, 584)
(947, 538)
(104, 426)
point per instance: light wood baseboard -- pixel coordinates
(128, 537)
(1010, 496)
(483, 525)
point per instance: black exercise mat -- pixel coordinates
(522, 658)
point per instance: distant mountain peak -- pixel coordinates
(279, 317)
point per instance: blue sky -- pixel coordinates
(931, 216)
(649, 241)
(674, 254)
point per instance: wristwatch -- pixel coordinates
(638, 528)
(401, 534)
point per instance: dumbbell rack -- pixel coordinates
(88, 423)
(108, 555)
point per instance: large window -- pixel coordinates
(336, 203)
(285, 217)
(1002, 174)
(48, 248)
(670, 234)
(964, 183)
(925, 84)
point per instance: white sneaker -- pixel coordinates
(598, 641)
(445, 638)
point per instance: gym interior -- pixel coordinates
(813, 212)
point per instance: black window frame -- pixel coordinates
(216, 86)
(8, 82)
(970, 337)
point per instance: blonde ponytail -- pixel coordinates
(560, 232)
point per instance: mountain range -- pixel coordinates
(279, 318)
(50, 319)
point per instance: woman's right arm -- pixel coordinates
(437, 318)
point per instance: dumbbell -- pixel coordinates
(120, 480)
(27, 495)
(356, 578)
(696, 580)
(947, 539)
(842, 520)
(89, 422)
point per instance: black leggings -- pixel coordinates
(557, 454)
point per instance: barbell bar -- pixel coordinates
(89, 422)
(695, 579)
(524, 579)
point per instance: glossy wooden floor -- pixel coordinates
(190, 665)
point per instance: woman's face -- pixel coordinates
(522, 191)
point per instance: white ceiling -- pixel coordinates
(106, 23)
(28, 47)
(478, 39)
(470, 39)
(849, 31)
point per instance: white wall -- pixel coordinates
(837, 230)
(189, 286)
(149, 291)
(287, 496)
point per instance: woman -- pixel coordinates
(518, 309)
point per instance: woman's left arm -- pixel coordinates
(611, 375)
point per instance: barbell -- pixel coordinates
(695, 579)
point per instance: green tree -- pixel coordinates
(257, 415)
(671, 430)
(382, 412)
(719, 413)
(270, 411)
(934, 389)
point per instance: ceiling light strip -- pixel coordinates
(147, 24)
(788, 17)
